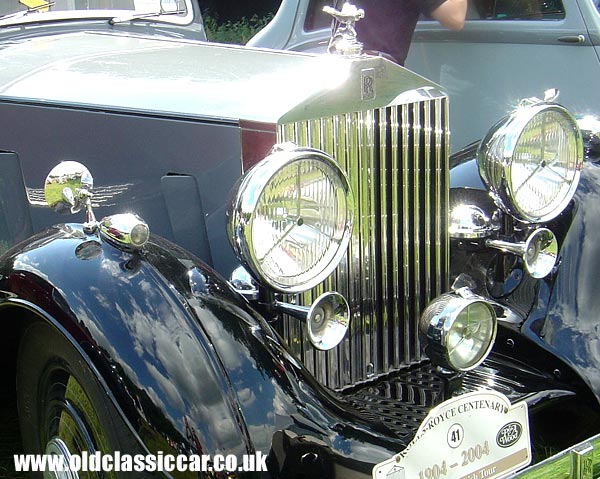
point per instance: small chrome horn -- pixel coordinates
(327, 319)
(539, 251)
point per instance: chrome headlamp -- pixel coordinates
(532, 160)
(459, 329)
(291, 219)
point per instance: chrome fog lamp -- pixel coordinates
(327, 319)
(291, 219)
(531, 161)
(539, 251)
(459, 329)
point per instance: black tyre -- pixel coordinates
(62, 408)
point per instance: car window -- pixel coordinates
(515, 10)
(316, 19)
(478, 10)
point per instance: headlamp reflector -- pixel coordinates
(292, 218)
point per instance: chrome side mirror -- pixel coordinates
(68, 187)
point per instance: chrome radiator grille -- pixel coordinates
(396, 161)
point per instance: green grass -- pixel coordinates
(237, 32)
(53, 192)
(559, 466)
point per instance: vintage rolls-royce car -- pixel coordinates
(276, 256)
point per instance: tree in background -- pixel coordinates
(229, 21)
(234, 10)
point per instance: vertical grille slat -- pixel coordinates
(367, 265)
(397, 261)
(387, 259)
(416, 209)
(407, 280)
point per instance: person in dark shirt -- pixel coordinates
(388, 25)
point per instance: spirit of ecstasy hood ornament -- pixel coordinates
(344, 40)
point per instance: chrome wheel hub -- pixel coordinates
(57, 447)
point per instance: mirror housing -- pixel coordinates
(68, 187)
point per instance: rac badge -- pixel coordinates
(509, 434)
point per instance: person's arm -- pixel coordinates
(451, 14)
